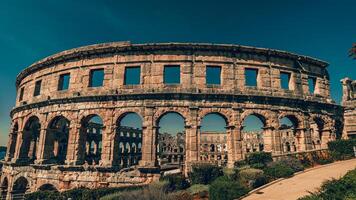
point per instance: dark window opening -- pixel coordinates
(37, 88)
(213, 75)
(285, 79)
(171, 74)
(311, 83)
(251, 77)
(96, 78)
(132, 76)
(63, 83)
(22, 90)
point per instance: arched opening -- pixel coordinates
(339, 128)
(55, 150)
(30, 139)
(288, 132)
(47, 187)
(170, 141)
(91, 131)
(128, 136)
(316, 129)
(213, 134)
(252, 133)
(4, 188)
(19, 188)
(13, 141)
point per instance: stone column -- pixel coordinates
(108, 140)
(268, 138)
(43, 149)
(277, 144)
(192, 140)
(75, 150)
(325, 137)
(18, 146)
(11, 146)
(149, 140)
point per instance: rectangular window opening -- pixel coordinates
(311, 84)
(171, 74)
(96, 78)
(213, 75)
(63, 83)
(37, 88)
(22, 90)
(132, 75)
(285, 80)
(251, 77)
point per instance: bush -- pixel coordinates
(176, 182)
(155, 191)
(251, 177)
(224, 188)
(78, 193)
(342, 149)
(240, 163)
(324, 161)
(259, 160)
(205, 173)
(293, 163)
(278, 170)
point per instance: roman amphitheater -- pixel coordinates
(67, 128)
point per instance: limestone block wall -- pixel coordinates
(349, 103)
(192, 98)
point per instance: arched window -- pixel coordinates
(213, 126)
(252, 132)
(171, 134)
(92, 127)
(56, 144)
(130, 124)
(30, 139)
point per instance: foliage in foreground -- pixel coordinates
(342, 149)
(205, 173)
(224, 188)
(155, 191)
(342, 189)
(77, 194)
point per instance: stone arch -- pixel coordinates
(91, 134)
(215, 136)
(262, 115)
(224, 113)
(30, 139)
(4, 187)
(56, 140)
(166, 141)
(47, 187)
(296, 119)
(20, 187)
(128, 133)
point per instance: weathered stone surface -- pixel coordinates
(349, 104)
(315, 115)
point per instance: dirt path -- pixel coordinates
(299, 185)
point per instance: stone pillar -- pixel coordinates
(11, 146)
(325, 137)
(74, 150)
(192, 140)
(346, 89)
(268, 138)
(18, 146)
(108, 140)
(277, 146)
(149, 140)
(42, 148)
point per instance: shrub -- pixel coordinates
(240, 163)
(324, 161)
(205, 173)
(342, 149)
(251, 177)
(77, 194)
(198, 188)
(176, 182)
(155, 191)
(278, 170)
(293, 163)
(224, 188)
(259, 159)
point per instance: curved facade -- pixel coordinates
(53, 139)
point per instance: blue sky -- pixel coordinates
(31, 30)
